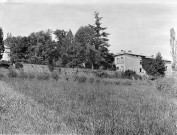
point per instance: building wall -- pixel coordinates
(169, 68)
(134, 63)
(125, 62)
(120, 62)
(6, 54)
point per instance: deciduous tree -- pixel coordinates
(84, 37)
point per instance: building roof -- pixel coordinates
(140, 55)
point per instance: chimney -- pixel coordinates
(152, 56)
(129, 51)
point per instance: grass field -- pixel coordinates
(88, 106)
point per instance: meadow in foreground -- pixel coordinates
(102, 107)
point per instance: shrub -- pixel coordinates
(18, 65)
(128, 74)
(81, 79)
(31, 75)
(117, 82)
(4, 64)
(51, 67)
(91, 80)
(97, 81)
(127, 82)
(43, 76)
(12, 73)
(105, 82)
(101, 74)
(118, 74)
(55, 75)
(23, 75)
(137, 77)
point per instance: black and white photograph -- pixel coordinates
(88, 67)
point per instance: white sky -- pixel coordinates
(138, 25)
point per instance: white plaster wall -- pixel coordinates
(169, 68)
(120, 64)
(6, 55)
(133, 63)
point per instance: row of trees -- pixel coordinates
(88, 47)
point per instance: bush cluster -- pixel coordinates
(81, 79)
(101, 74)
(23, 75)
(55, 75)
(4, 64)
(18, 65)
(12, 73)
(91, 80)
(43, 76)
(128, 74)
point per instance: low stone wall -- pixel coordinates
(44, 68)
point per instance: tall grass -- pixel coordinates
(167, 86)
(100, 109)
(43, 76)
(12, 73)
(55, 75)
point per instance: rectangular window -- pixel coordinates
(122, 68)
(117, 60)
(140, 62)
(140, 70)
(122, 59)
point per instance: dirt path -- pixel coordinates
(22, 115)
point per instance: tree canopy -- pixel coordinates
(89, 47)
(154, 67)
(1, 43)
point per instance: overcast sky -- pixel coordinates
(138, 25)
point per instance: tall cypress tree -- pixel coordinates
(1, 43)
(101, 39)
(104, 59)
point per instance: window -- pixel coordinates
(117, 60)
(140, 62)
(122, 68)
(140, 70)
(122, 59)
